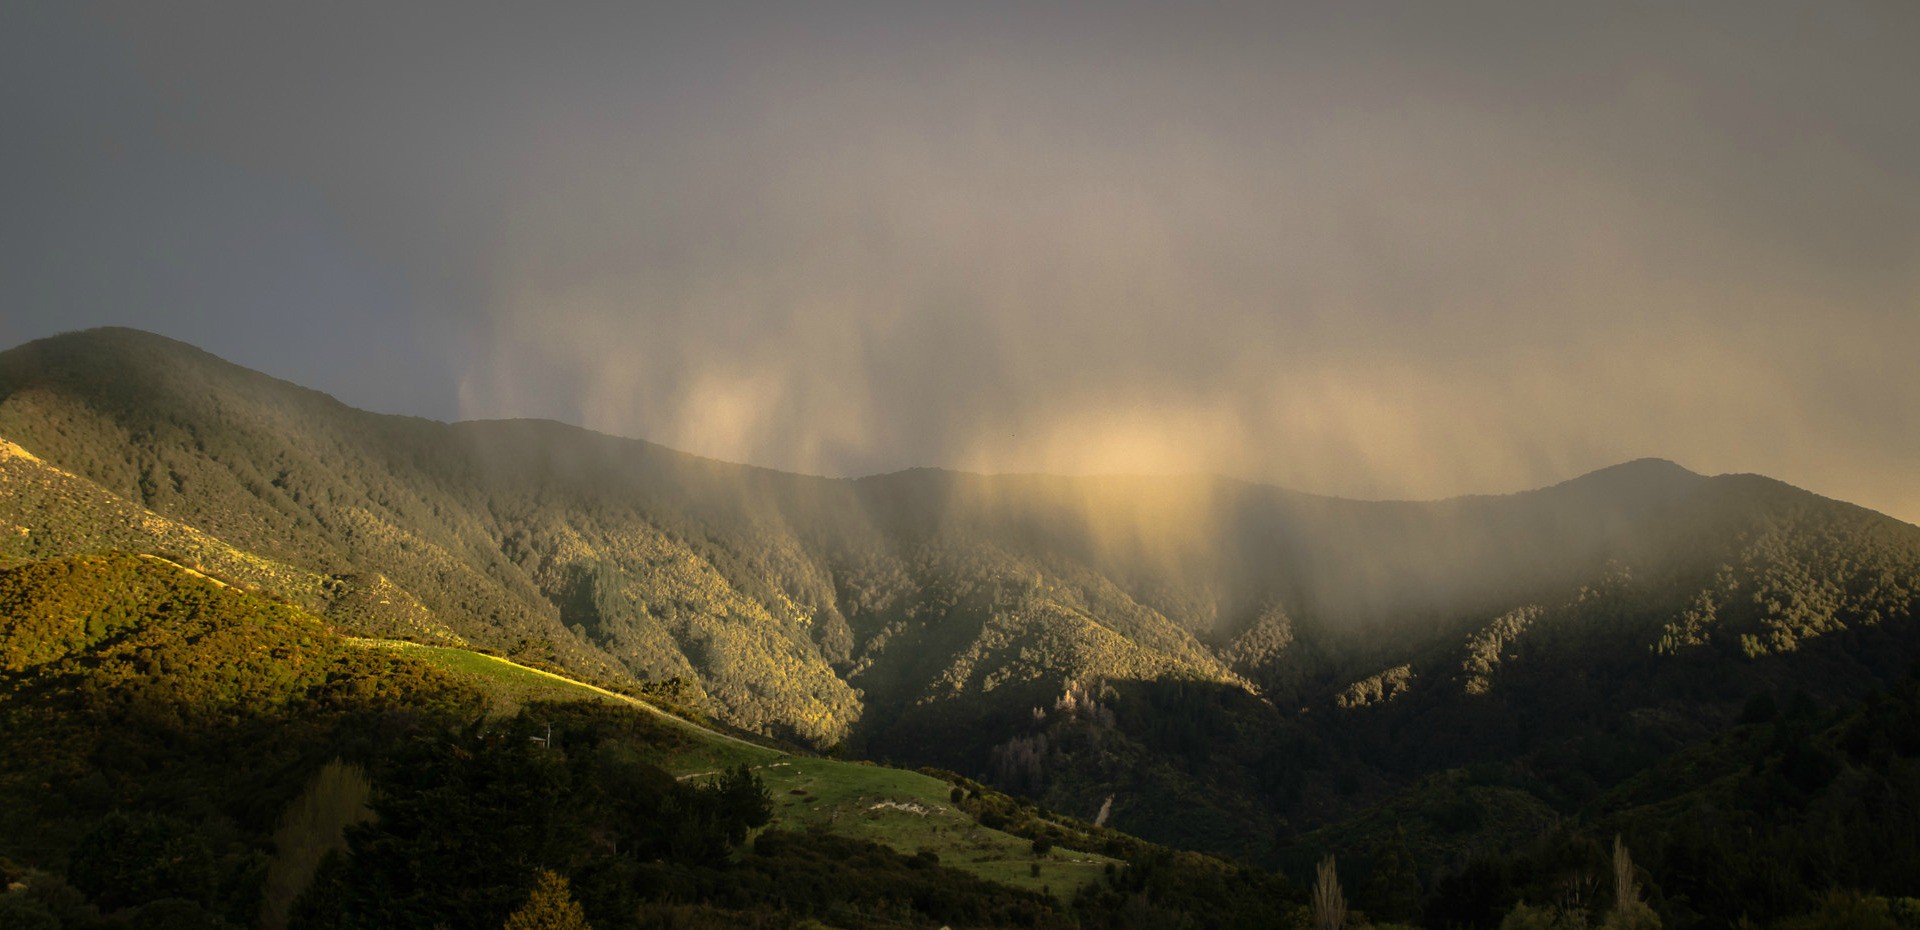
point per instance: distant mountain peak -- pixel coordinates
(1635, 477)
(123, 337)
(1649, 465)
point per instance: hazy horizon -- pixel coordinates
(1400, 252)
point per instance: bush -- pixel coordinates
(1635, 916)
(20, 912)
(1527, 917)
(134, 858)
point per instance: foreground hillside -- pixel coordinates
(177, 752)
(1428, 689)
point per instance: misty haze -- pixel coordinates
(987, 465)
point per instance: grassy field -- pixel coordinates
(906, 811)
(508, 683)
(911, 812)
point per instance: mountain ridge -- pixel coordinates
(932, 615)
(124, 337)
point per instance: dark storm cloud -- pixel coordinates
(1409, 249)
(113, 215)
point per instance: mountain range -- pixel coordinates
(1202, 661)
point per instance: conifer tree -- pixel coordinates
(550, 907)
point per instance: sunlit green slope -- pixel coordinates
(131, 685)
(1263, 662)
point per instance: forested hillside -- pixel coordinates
(1202, 661)
(176, 752)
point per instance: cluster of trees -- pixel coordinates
(464, 821)
(1796, 813)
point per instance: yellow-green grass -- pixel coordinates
(906, 811)
(911, 812)
(509, 684)
(512, 685)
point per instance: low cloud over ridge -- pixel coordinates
(1409, 252)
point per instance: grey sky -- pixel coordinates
(1368, 249)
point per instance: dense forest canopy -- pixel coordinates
(1464, 700)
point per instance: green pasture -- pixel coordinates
(906, 811)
